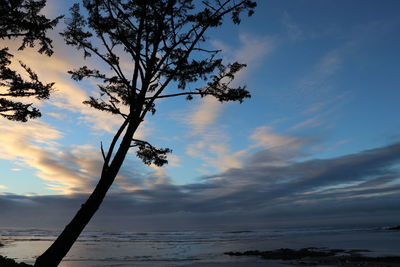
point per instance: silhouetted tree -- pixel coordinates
(165, 42)
(21, 18)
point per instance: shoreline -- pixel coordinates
(368, 247)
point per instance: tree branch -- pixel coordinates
(141, 142)
(178, 94)
(114, 141)
(102, 152)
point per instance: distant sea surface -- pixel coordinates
(98, 248)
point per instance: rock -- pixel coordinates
(6, 262)
(394, 228)
(239, 232)
(315, 256)
(284, 253)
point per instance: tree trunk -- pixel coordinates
(57, 251)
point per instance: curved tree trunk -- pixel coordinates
(57, 251)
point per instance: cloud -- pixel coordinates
(57, 115)
(317, 82)
(19, 137)
(69, 97)
(174, 160)
(65, 170)
(351, 188)
(315, 107)
(203, 115)
(212, 143)
(35, 145)
(216, 154)
(293, 30)
(68, 94)
(308, 123)
(294, 182)
(268, 187)
(263, 137)
(252, 51)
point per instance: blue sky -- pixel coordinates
(321, 129)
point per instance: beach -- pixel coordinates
(198, 248)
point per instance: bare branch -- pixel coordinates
(115, 139)
(102, 152)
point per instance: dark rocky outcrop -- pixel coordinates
(322, 256)
(6, 262)
(284, 253)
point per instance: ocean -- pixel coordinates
(195, 248)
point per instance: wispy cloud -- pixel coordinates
(308, 123)
(252, 51)
(212, 145)
(263, 137)
(293, 30)
(203, 115)
(317, 81)
(68, 95)
(35, 145)
(65, 170)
